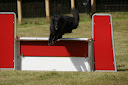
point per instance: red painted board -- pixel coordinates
(103, 49)
(6, 40)
(60, 49)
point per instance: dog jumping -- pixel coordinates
(62, 24)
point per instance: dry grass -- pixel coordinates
(37, 27)
(62, 78)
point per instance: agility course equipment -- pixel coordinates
(102, 33)
(68, 54)
(7, 43)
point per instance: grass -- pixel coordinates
(38, 27)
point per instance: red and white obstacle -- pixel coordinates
(68, 54)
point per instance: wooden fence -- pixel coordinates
(47, 9)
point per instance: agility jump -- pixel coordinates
(68, 54)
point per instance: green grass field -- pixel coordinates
(38, 27)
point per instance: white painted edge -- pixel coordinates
(46, 39)
(113, 45)
(105, 71)
(15, 53)
(6, 68)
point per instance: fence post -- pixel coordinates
(72, 4)
(19, 8)
(93, 6)
(47, 10)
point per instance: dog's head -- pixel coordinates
(57, 21)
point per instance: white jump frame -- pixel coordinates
(47, 63)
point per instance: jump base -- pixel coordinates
(55, 64)
(42, 60)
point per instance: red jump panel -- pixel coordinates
(103, 47)
(60, 49)
(7, 40)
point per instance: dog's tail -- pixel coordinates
(76, 16)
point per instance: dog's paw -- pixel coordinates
(53, 42)
(49, 44)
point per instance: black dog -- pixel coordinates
(61, 25)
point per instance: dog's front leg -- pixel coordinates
(50, 39)
(58, 36)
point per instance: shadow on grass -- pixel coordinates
(122, 69)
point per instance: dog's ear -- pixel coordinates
(61, 19)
